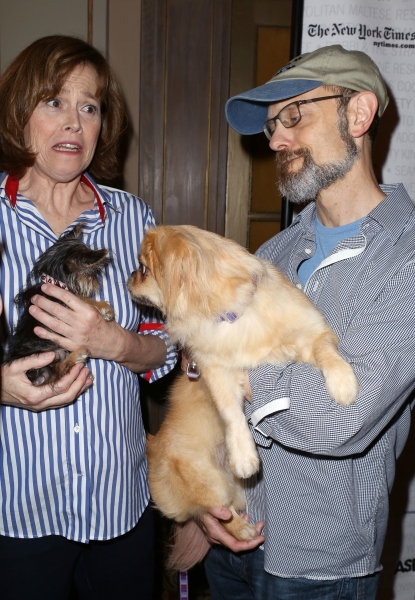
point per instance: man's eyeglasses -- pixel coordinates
(290, 115)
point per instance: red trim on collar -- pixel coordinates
(147, 376)
(12, 185)
(98, 199)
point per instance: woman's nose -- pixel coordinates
(73, 122)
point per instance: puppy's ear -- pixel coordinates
(88, 260)
(173, 265)
(222, 274)
(75, 233)
(149, 253)
(198, 271)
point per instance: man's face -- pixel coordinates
(316, 152)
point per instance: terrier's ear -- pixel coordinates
(87, 260)
(75, 233)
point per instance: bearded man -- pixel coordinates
(327, 469)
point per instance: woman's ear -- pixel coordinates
(362, 110)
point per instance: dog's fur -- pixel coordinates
(198, 279)
(71, 264)
(189, 471)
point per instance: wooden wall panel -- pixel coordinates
(189, 32)
(219, 79)
(183, 131)
(152, 82)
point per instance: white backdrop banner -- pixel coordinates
(385, 30)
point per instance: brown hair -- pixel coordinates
(38, 73)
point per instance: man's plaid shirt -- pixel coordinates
(327, 469)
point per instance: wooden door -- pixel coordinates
(185, 49)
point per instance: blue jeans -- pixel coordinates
(242, 577)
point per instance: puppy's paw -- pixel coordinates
(106, 311)
(244, 462)
(239, 528)
(342, 384)
(246, 532)
(81, 356)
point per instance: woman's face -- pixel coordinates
(63, 132)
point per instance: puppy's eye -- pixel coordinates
(142, 268)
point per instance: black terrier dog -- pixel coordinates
(70, 264)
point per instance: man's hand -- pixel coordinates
(19, 392)
(217, 534)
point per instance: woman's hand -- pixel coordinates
(80, 325)
(75, 325)
(19, 392)
(217, 534)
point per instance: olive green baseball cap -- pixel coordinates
(330, 65)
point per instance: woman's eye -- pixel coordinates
(54, 102)
(91, 109)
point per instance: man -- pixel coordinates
(327, 469)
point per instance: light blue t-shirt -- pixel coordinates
(326, 240)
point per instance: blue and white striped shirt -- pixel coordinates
(78, 471)
(327, 469)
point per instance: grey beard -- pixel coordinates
(305, 184)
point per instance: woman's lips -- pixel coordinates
(67, 147)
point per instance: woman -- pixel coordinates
(73, 490)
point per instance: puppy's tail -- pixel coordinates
(190, 546)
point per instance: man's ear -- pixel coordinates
(362, 110)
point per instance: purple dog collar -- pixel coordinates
(231, 316)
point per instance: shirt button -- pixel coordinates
(77, 428)
(300, 287)
(308, 251)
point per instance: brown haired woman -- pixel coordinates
(73, 491)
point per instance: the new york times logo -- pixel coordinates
(361, 31)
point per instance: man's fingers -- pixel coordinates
(222, 513)
(217, 534)
(259, 527)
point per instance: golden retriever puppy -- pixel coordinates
(231, 312)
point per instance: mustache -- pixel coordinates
(283, 157)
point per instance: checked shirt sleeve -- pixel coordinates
(152, 324)
(290, 403)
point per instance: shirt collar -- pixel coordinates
(11, 186)
(392, 213)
